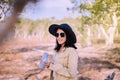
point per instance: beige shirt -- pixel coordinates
(65, 65)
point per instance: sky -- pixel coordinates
(48, 9)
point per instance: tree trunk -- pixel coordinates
(109, 37)
(88, 40)
(105, 34)
(112, 29)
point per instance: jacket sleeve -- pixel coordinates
(71, 70)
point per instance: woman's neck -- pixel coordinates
(62, 49)
(62, 46)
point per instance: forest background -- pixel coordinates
(98, 39)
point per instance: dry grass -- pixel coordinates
(10, 56)
(18, 63)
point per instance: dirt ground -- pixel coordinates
(19, 60)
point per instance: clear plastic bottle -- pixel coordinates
(44, 59)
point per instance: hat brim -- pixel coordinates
(53, 28)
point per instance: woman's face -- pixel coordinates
(61, 37)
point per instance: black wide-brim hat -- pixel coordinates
(66, 28)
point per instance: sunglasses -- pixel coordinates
(60, 34)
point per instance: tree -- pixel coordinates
(100, 11)
(17, 7)
(111, 9)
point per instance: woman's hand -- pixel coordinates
(47, 64)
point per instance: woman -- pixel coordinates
(65, 58)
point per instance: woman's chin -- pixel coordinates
(60, 43)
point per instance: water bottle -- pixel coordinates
(44, 59)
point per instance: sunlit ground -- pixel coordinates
(19, 58)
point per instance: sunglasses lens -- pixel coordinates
(62, 34)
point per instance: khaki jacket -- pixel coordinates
(65, 65)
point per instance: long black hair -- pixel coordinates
(68, 42)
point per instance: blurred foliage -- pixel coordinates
(40, 27)
(101, 12)
(97, 13)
